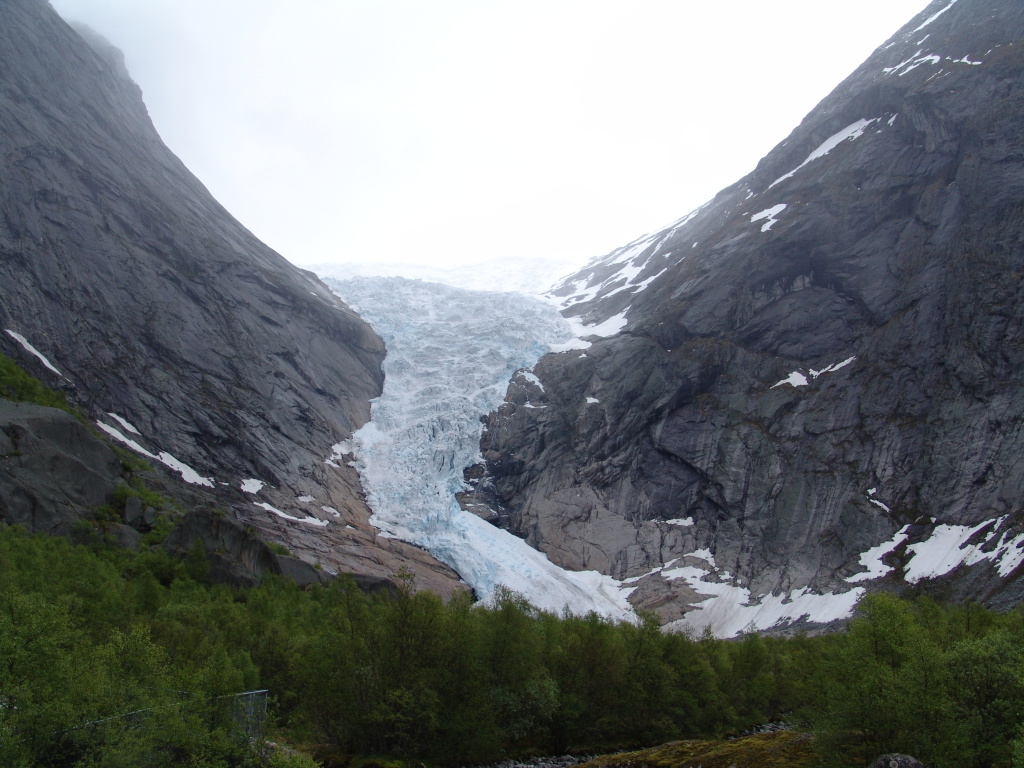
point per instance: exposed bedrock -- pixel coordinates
(829, 350)
(156, 305)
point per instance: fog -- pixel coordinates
(453, 131)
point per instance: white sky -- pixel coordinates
(453, 131)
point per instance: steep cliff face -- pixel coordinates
(125, 283)
(820, 373)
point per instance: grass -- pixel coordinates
(780, 749)
(17, 385)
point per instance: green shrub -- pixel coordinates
(17, 385)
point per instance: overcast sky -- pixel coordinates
(454, 131)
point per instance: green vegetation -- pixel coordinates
(278, 548)
(117, 658)
(15, 384)
(781, 749)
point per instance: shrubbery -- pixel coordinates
(111, 658)
(119, 658)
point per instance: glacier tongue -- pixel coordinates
(450, 355)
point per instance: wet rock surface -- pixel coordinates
(888, 280)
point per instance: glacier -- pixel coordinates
(450, 355)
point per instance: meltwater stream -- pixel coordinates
(450, 355)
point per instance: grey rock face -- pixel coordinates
(156, 305)
(897, 252)
(52, 468)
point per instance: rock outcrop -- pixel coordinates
(52, 468)
(826, 358)
(127, 285)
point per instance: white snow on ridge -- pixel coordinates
(29, 348)
(849, 133)
(628, 261)
(451, 354)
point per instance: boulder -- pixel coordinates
(896, 760)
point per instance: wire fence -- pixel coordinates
(243, 715)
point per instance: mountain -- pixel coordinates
(818, 381)
(177, 332)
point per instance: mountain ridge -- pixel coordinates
(817, 362)
(175, 329)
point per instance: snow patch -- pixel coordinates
(915, 61)
(686, 522)
(117, 435)
(334, 512)
(531, 377)
(934, 16)
(728, 610)
(306, 499)
(188, 474)
(799, 379)
(592, 401)
(703, 554)
(849, 133)
(609, 327)
(872, 558)
(286, 516)
(832, 368)
(769, 214)
(947, 548)
(29, 348)
(124, 424)
(252, 485)
(795, 379)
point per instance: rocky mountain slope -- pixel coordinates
(127, 285)
(819, 378)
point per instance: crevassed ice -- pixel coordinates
(450, 355)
